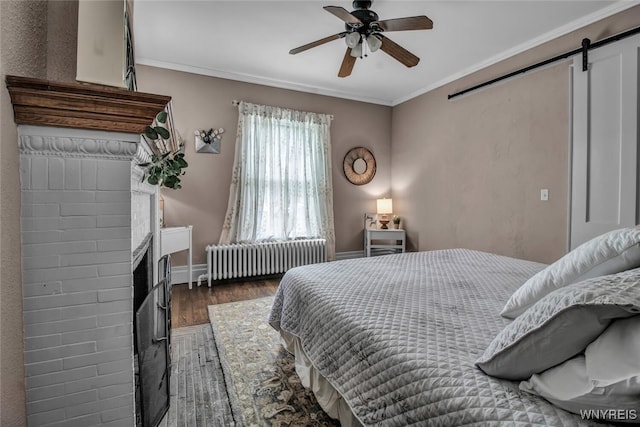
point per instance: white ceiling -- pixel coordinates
(250, 41)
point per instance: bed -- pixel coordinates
(394, 340)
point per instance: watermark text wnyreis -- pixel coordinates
(609, 414)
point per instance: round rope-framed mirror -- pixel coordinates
(359, 166)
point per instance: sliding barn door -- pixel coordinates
(604, 194)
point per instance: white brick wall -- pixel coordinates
(77, 275)
(140, 218)
(144, 218)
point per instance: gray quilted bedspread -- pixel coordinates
(398, 336)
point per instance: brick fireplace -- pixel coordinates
(87, 221)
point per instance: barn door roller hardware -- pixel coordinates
(585, 54)
(584, 50)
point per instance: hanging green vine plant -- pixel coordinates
(167, 163)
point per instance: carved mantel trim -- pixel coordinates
(79, 147)
(82, 106)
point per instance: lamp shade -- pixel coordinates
(352, 39)
(385, 206)
(356, 52)
(374, 42)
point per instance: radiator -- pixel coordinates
(263, 258)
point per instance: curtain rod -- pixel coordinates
(235, 103)
(586, 47)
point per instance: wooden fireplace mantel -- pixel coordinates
(81, 105)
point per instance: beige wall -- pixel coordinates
(205, 102)
(31, 44)
(468, 172)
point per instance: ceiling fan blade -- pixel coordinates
(317, 43)
(343, 14)
(399, 53)
(405, 24)
(347, 64)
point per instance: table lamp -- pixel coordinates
(385, 207)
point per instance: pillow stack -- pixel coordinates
(561, 325)
(575, 339)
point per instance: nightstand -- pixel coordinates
(389, 239)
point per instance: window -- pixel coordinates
(281, 186)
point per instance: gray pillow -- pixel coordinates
(561, 325)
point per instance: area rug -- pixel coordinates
(259, 371)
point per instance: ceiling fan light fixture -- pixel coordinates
(352, 39)
(363, 35)
(356, 51)
(374, 41)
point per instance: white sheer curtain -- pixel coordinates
(281, 184)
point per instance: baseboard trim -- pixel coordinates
(180, 273)
(349, 255)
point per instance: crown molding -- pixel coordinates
(575, 25)
(248, 78)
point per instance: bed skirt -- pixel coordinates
(328, 398)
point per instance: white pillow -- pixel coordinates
(613, 358)
(615, 355)
(609, 253)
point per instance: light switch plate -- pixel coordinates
(544, 194)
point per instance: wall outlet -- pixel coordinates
(544, 194)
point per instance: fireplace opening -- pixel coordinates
(142, 278)
(151, 324)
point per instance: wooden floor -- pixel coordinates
(198, 394)
(198, 391)
(189, 306)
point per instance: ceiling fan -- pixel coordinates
(363, 31)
